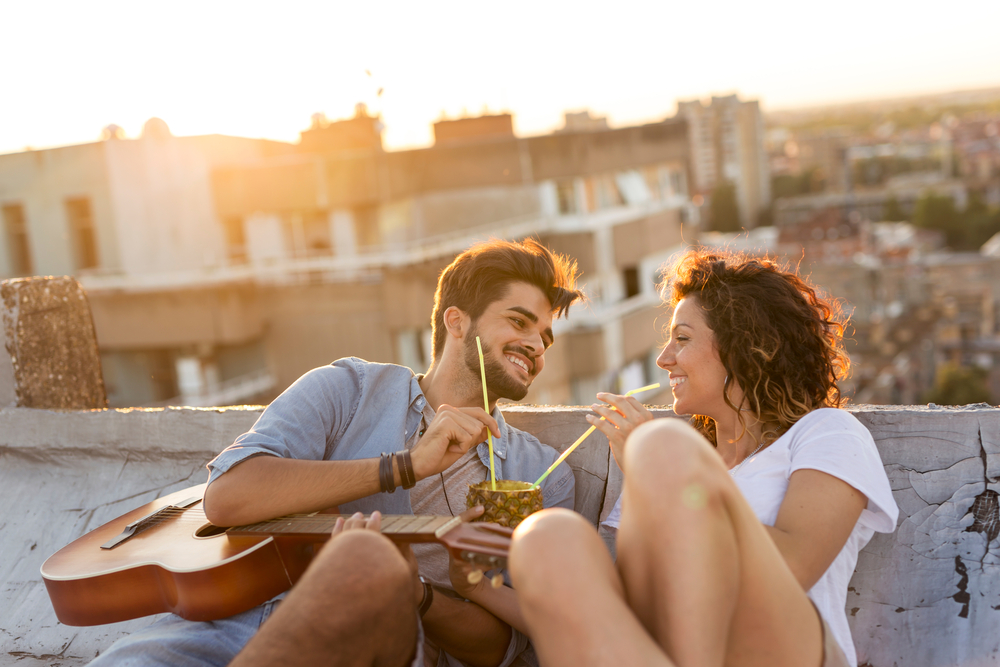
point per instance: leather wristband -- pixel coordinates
(428, 600)
(406, 472)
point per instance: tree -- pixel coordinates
(934, 211)
(963, 230)
(893, 212)
(959, 385)
(980, 223)
(792, 185)
(725, 213)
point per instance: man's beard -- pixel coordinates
(499, 381)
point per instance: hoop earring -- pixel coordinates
(724, 392)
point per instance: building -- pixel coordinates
(727, 146)
(582, 121)
(871, 203)
(122, 213)
(227, 267)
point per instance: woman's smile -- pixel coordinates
(697, 376)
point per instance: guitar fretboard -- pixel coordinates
(318, 524)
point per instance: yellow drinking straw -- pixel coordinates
(486, 400)
(584, 437)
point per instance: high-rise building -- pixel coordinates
(727, 146)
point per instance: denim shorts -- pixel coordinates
(172, 641)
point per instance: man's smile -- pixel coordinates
(517, 361)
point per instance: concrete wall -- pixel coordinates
(927, 595)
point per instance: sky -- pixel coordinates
(260, 69)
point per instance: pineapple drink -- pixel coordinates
(509, 504)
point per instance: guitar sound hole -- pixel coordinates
(209, 530)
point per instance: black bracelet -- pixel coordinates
(428, 600)
(405, 464)
(390, 479)
(387, 481)
(381, 473)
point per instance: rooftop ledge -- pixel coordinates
(927, 595)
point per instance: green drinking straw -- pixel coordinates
(584, 437)
(486, 400)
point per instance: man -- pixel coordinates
(329, 440)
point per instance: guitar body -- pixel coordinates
(168, 568)
(167, 557)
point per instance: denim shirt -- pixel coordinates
(355, 409)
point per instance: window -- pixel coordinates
(236, 240)
(18, 248)
(566, 194)
(82, 232)
(677, 184)
(631, 282)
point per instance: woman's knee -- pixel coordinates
(668, 456)
(546, 544)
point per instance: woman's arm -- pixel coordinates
(814, 521)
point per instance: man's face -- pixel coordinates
(515, 330)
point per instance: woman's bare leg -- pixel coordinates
(699, 570)
(572, 598)
(354, 607)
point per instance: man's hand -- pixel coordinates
(358, 522)
(451, 434)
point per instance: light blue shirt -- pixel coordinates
(356, 409)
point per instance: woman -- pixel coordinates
(737, 537)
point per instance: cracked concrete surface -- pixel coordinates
(930, 594)
(927, 595)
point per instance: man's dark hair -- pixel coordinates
(482, 274)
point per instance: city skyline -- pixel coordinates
(261, 71)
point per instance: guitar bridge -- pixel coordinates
(139, 525)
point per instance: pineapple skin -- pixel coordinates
(505, 506)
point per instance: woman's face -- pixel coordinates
(697, 376)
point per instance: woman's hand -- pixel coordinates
(622, 414)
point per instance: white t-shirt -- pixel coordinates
(835, 442)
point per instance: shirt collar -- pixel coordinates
(418, 401)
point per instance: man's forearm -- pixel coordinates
(264, 487)
(502, 603)
(467, 631)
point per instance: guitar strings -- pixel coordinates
(302, 522)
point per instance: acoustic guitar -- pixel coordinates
(167, 557)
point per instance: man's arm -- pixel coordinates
(474, 624)
(467, 631)
(263, 487)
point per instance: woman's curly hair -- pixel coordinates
(776, 337)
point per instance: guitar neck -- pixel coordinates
(401, 527)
